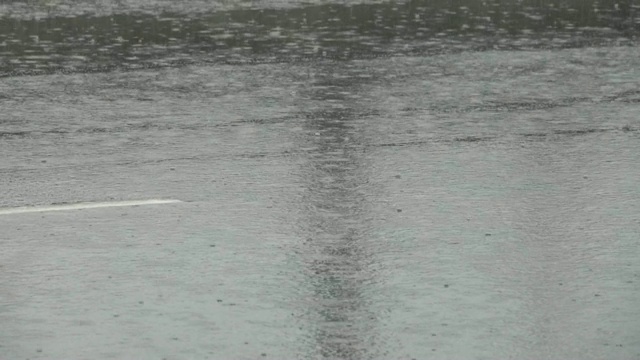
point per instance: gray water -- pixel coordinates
(360, 180)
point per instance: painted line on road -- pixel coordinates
(85, 205)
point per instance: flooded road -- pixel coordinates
(358, 180)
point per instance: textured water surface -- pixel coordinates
(359, 180)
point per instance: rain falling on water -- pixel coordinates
(357, 179)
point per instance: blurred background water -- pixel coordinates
(47, 36)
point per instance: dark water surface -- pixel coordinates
(93, 39)
(360, 180)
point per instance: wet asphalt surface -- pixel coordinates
(359, 180)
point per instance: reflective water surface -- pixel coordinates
(361, 180)
(85, 37)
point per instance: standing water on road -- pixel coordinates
(358, 179)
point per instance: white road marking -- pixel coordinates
(82, 206)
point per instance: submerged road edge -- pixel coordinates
(85, 205)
